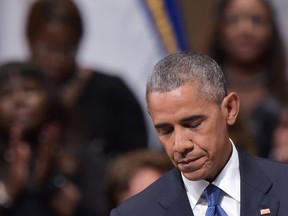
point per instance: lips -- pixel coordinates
(245, 44)
(187, 161)
(190, 164)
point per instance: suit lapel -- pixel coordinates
(256, 198)
(175, 200)
(181, 206)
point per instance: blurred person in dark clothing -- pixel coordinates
(111, 113)
(248, 46)
(108, 110)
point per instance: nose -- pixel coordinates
(246, 24)
(183, 143)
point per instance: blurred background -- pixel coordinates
(125, 39)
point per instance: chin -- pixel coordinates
(195, 175)
(247, 57)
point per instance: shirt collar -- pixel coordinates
(228, 180)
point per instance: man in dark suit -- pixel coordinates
(191, 111)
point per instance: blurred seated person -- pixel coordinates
(130, 173)
(247, 45)
(111, 114)
(279, 150)
(39, 150)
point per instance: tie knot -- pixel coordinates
(212, 194)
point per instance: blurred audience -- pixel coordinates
(111, 114)
(39, 149)
(247, 45)
(132, 172)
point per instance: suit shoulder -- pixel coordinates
(277, 171)
(272, 165)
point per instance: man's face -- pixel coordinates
(193, 130)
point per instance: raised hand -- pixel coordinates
(19, 156)
(48, 140)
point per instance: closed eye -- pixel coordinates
(193, 125)
(193, 121)
(164, 129)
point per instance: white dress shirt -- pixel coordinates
(228, 181)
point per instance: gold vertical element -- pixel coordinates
(163, 24)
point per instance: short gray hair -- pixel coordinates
(180, 68)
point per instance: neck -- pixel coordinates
(245, 76)
(244, 70)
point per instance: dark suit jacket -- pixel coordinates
(264, 184)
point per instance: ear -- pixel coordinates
(230, 106)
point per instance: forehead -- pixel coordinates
(247, 6)
(56, 32)
(185, 100)
(192, 89)
(174, 94)
(16, 81)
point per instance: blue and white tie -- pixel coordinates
(213, 194)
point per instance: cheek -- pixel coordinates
(227, 33)
(39, 102)
(264, 37)
(209, 140)
(38, 105)
(40, 109)
(168, 147)
(37, 98)
(5, 120)
(6, 111)
(5, 108)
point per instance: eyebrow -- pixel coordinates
(186, 119)
(161, 125)
(192, 118)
